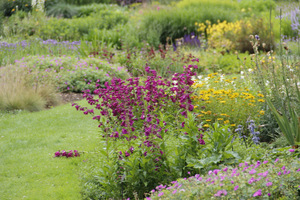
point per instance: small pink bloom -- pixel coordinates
(279, 173)
(292, 150)
(160, 194)
(236, 187)
(269, 183)
(257, 193)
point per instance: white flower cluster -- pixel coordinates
(39, 4)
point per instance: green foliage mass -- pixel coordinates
(73, 29)
(72, 75)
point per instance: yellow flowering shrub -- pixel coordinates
(221, 34)
(235, 35)
(226, 100)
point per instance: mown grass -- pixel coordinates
(28, 141)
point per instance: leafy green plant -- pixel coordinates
(136, 133)
(218, 148)
(74, 29)
(9, 8)
(164, 61)
(281, 90)
(70, 74)
(62, 10)
(289, 127)
(155, 26)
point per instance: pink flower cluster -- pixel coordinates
(62, 153)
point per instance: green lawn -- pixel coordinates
(28, 141)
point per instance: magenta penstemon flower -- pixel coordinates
(71, 153)
(127, 154)
(57, 154)
(292, 150)
(182, 124)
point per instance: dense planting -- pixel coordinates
(194, 88)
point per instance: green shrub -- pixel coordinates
(156, 26)
(85, 2)
(9, 8)
(70, 74)
(87, 10)
(23, 25)
(62, 10)
(73, 29)
(260, 27)
(164, 61)
(257, 5)
(110, 37)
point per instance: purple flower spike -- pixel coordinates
(182, 124)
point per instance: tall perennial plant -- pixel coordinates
(136, 118)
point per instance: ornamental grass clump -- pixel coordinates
(278, 179)
(135, 117)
